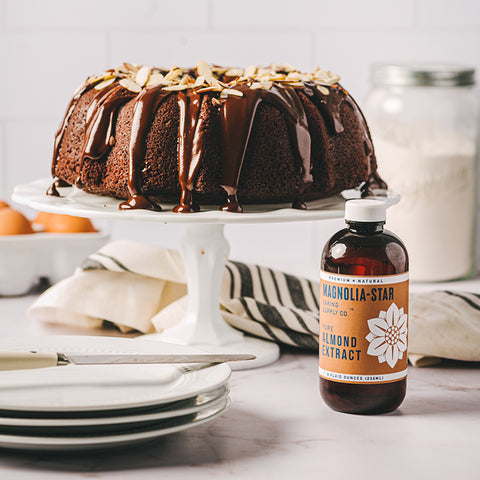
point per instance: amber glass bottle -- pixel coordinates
(363, 314)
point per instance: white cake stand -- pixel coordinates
(205, 251)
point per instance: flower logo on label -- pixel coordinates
(388, 335)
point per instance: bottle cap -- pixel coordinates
(365, 210)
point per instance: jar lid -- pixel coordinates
(422, 74)
(365, 210)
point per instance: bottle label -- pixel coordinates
(363, 328)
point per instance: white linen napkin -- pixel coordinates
(141, 287)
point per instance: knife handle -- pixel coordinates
(27, 360)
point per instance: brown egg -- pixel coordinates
(66, 224)
(4, 204)
(14, 223)
(43, 218)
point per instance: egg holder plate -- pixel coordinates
(26, 258)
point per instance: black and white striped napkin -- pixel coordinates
(142, 287)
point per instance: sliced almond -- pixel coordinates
(323, 90)
(129, 84)
(174, 88)
(199, 81)
(173, 73)
(105, 83)
(142, 75)
(131, 67)
(250, 71)
(216, 101)
(256, 86)
(234, 72)
(93, 79)
(186, 80)
(210, 89)
(155, 79)
(295, 84)
(232, 91)
(203, 68)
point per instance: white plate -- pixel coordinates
(101, 387)
(150, 414)
(84, 443)
(76, 202)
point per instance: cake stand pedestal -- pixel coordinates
(205, 251)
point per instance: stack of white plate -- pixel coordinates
(101, 406)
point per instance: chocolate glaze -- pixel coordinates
(236, 117)
(144, 110)
(57, 183)
(100, 126)
(329, 107)
(190, 146)
(52, 190)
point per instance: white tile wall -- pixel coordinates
(232, 48)
(106, 14)
(314, 15)
(460, 14)
(24, 163)
(48, 47)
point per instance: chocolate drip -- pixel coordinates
(61, 131)
(236, 120)
(100, 123)
(57, 183)
(328, 105)
(52, 190)
(144, 110)
(299, 205)
(190, 146)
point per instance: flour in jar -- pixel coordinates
(436, 178)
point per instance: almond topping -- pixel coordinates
(105, 83)
(232, 91)
(173, 73)
(323, 90)
(203, 68)
(155, 79)
(142, 75)
(250, 71)
(174, 88)
(130, 85)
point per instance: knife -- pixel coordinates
(20, 360)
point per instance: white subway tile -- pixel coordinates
(353, 56)
(29, 147)
(461, 13)
(235, 49)
(106, 13)
(44, 69)
(2, 14)
(315, 14)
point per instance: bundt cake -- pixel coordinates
(213, 135)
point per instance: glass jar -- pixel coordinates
(424, 125)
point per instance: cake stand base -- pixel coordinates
(205, 251)
(265, 352)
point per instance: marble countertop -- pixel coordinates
(278, 427)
